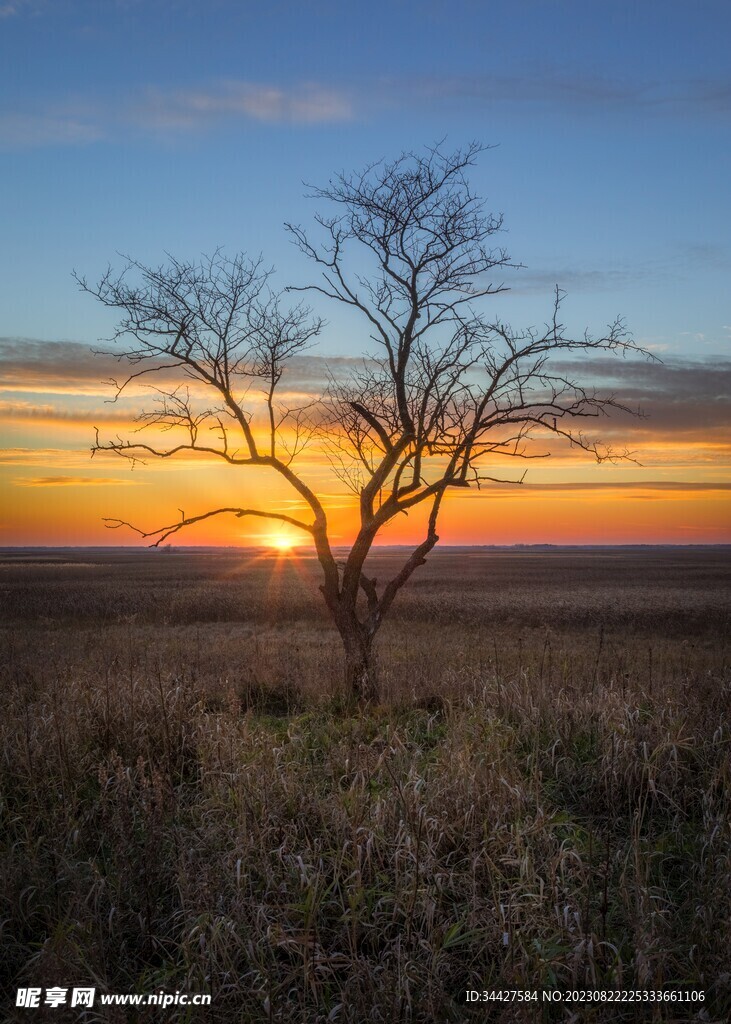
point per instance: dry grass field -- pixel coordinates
(542, 799)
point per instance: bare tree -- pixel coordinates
(444, 394)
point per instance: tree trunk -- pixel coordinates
(361, 676)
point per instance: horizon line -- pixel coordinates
(171, 548)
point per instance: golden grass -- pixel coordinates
(542, 799)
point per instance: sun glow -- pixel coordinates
(281, 542)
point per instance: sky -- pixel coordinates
(146, 127)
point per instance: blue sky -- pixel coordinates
(179, 125)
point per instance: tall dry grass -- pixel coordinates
(542, 800)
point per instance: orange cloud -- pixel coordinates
(73, 481)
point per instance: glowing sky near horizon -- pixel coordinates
(177, 125)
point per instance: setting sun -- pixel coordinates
(281, 542)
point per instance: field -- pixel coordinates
(542, 798)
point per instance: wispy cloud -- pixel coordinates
(622, 485)
(571, 279)
(57, 458)
(622, 490)
(46, 412)
(74, 481)
(306, 103)
(160, 112)
(677, 397)
(672, 267)
(15, 7)
(55, 367)
(29, 365)
(568, 90)
(30, 130)
(171, 111)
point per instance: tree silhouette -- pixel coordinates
(443, 394)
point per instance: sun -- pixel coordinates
(281, 542)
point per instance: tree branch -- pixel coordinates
(167, 531)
